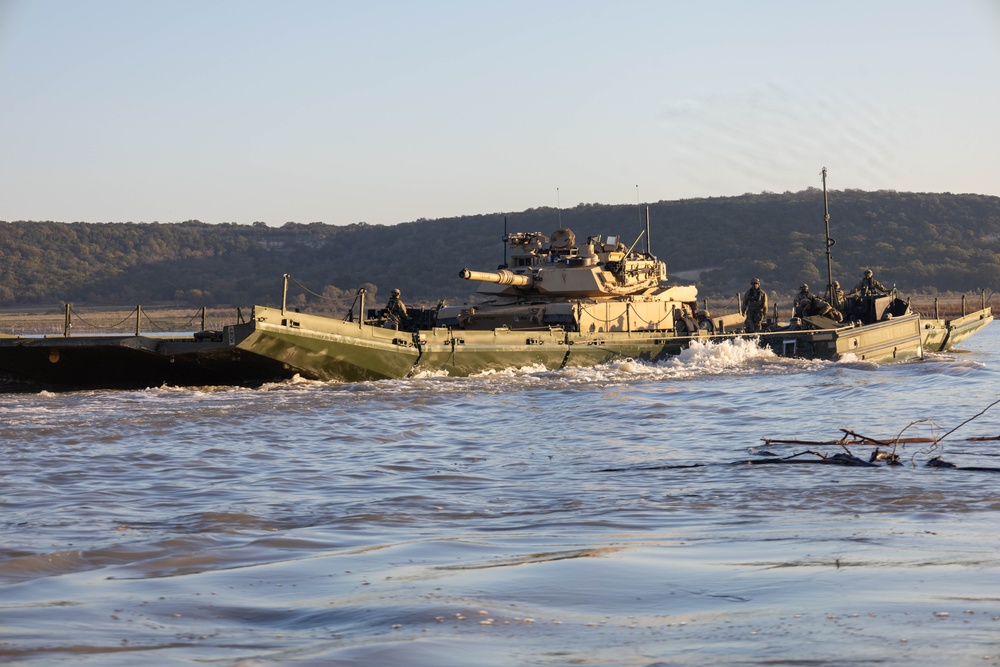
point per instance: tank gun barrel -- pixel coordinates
(501, 277)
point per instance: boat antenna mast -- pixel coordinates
(829, 243)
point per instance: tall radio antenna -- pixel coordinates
(829, 242)
(638, 204)
(505, 239)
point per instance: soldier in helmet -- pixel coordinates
(395, 309)
(868, 286)
(837, 295)
(802, 301)
(755, 304)
(818, 306)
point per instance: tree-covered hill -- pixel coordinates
(922, 243)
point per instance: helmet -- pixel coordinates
(395, 292)
(755, 281)
(804, 288)
(868, 273)
(836, 284)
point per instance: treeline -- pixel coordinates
(922, 243)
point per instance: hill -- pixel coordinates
(922, 242)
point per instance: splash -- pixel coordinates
(429, 374)
(520, 371)
(723, 355)
(293, 382)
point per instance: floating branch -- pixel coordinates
(847, 458)
(839, 458)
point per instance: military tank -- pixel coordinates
(597, 286)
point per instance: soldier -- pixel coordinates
(755, 306)
(395, 309)
(802, 301)
(869, 286)
(837, 295)
(818, 306)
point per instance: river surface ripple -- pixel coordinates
(582, 517)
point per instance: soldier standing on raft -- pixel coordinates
(837, 295)
(869, 286)
(803, 301)
(395, 309)
(755, 305)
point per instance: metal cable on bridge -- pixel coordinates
(112, 326)
(321, 296)
(156, 326)
(642, 320)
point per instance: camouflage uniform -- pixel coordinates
(837, 296)
(869, 286)
(818, 306)
(802, 301)
(395, 309)
(755, 306)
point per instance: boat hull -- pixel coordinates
(320, 348)
(326, 349)
(940, 335)
(278, 345)
(890, 340)
(132, 362)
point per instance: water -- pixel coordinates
(580, 517)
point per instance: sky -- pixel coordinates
(385, 111)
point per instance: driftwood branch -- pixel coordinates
(846, 458)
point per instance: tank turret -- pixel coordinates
(557, 267)
(600, 285)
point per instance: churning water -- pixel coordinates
(580, 517)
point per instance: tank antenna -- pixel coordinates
(634, 243)
(648, 251)
(558, 209)
(638, 204)
(504, 240)
(829, 243)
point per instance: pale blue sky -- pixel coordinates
(386, 112)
